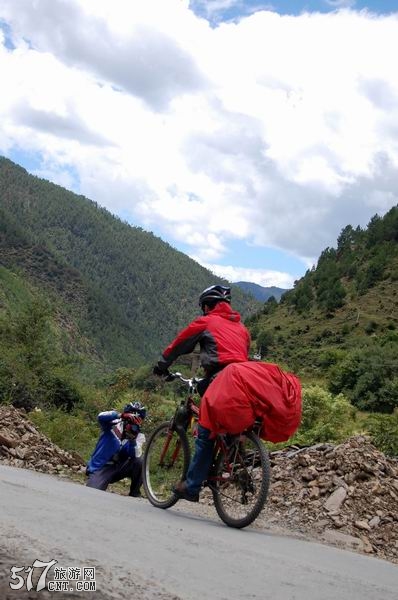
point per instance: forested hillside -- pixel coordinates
(339, 325)
(127, 291)
(83, 294)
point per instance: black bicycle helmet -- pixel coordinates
(214, 294)
(135, 408)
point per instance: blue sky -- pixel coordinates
(222, 10)
(247, 134)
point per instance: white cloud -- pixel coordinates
(262, 277)
(341, 3)
(56, 175)
(128, 45)
(276, 130)
(215, 9)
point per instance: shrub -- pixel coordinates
(270, 306)
(370, 327)
(325, 418)
(264, 341)
(383, 430)
(330, 357)
(125, 379)
(368, 377)
(72, 432)
(345, 330)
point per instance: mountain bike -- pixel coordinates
(239, 475)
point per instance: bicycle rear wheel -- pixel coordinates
(241, 481)
(165, 462)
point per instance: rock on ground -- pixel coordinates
(350, 488)
(22, 445)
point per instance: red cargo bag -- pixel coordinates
(241, 392)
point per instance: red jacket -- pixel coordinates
(244, 391)
(223, 339)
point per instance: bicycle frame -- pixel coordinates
(193, 415)
(239, 474)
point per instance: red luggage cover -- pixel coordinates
(243, 391)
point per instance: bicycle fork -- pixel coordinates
(175, 452)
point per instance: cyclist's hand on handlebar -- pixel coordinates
(157, 370)
(170, 376)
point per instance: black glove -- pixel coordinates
(160, 372)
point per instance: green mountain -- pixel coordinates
(261, 293)
(115, 294)
(339, 324)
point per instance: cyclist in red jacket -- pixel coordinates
(223, 340)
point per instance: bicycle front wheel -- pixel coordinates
(241, 481)
(166, 460)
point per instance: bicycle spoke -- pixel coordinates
(241, 485)
(166, 459)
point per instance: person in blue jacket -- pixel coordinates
(115, 456)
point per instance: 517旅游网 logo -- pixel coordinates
(63, 579)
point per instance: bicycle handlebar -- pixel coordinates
(191, 381)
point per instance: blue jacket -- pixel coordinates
(110, 447)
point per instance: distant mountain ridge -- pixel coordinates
(261, 293)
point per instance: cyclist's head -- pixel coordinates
(136, 408)
(214, 294)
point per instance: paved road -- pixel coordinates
(143, 552)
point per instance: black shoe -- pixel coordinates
(180, 490)
(136, 495)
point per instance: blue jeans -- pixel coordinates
(201, 461)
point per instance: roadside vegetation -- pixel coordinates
(326, 417)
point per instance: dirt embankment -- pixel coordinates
(345, 494)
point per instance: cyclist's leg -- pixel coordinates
(201, 461)
(204, 383)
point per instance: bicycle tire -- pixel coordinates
(158, 477)
(239, 496)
